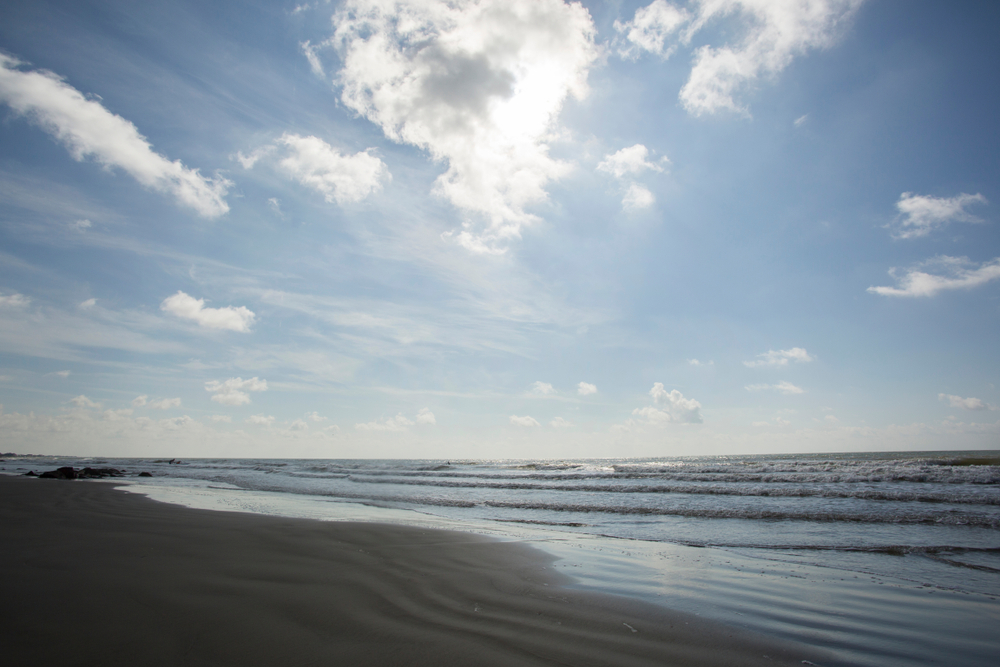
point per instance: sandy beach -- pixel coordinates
(98, 576)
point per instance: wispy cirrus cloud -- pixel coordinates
(919, 215)
(950, 273)
(87, 129)
(783, 387)
(779, 358)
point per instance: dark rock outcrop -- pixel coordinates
(145, 474)
(68, 472)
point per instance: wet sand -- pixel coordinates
(97, 576)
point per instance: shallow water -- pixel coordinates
(883, 558)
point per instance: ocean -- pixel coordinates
(880, 558)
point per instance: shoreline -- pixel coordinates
(124, 579)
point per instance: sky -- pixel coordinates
(498, 228)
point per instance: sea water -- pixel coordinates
(881, 558)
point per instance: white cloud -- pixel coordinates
(298, 425)
(81, 225)
(117, 415)
(953, 273)
(82, 401)
(260, 420)
(669, 408)
(88, 304)
(782, 387)
(695, 362)
(586, 389)
(13, 300)
(339, 178)
(189, 308)
(62, 374)
(140, 401)
(775, 33)
(226, 419)
(397, 423)
(637, 196)
(801, 120)
(779, 358)
(628, 162)
(315, 417)
(542, 388)
(649, 29)
(425, 416)
(781, 422)
(479, 85)
(966, 403)
(921, 214)
(233, 391)
(559, 422)
(310, 52)
(523, 421)
(87, 129)
(165, 403)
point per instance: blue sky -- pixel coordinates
(486, 229)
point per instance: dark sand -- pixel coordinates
(97, 576)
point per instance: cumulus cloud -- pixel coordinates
(234, 390)
(921, 214)
(542, 388)
(399, 422)
(949, 273)
(559, 422)
(298, 425)
(315, 417)
(669, 407)
(649, 29)
(81, 225)
(260, 420)
(87, 129)
(225, 419)
(425, 416)
(88, 304)
(165, 404)
(339, 178)
(782, 387)
(117, 415)
(695, 362)
(479, 85)
(189, 308)
(628, 162)
(586, 389)
(624, 165)
(966, 403)
(82, 401)
(13, 300)
(140, 401)
(523, 421)
(779, 358)
(774, 34)
(637, 197)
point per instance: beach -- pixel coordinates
(94, 575)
